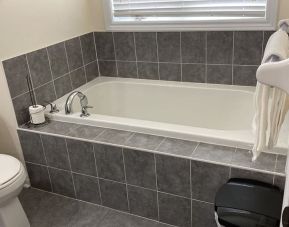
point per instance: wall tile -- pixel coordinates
(21, 104)
(194, 73)
(38, 176)
(171, 72)
(148, 70)
(107, 68)
(62, 182)
(219, 47)
(127, 69)
(88, 48)
(143, 202)
(140, 168)
(39, 67)
(16, 70)
(91, 71)
(267, 35)
(45, 93)
(31, 147)
(174, 210)
(74, 55)
(174, 180)
(193, 47)
(104, 45)
(248, 47)
(55, 152)
(144, 141)
(109, 162)
(146, 46)
(124, 46)
(86, 188)
(203, 214)
(78, 78)
(62, 86)
(219, 74)
(169, 46)
(81, 157)
(207, 179)
(58, 59)
(113, 195)
(245, 75)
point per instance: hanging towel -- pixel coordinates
(270, 102)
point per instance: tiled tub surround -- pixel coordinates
(165, 179)
(212, 57)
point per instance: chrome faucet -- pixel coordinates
(83, 103)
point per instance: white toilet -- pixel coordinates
(12, 178)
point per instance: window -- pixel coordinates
(190, 14)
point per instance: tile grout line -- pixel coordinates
(156, 176)
(135, 54)
(95, 163)
(124, 170)
(30, 77)
(158, 58)
(191, 193)
(206, 57)
(116, 65)
(233, 58)
(69, 70)
(181, 56)
(82, 58)
(96, 54)
(52, 75)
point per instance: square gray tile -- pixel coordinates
(281, 163)
(127, 69)
(62, 85)
(219, 74)
(169, 46)
(114, 136)
(140, 168)
(45, 94)
(244, 75)
(206, 179)
(91, 71)
(148, 70)
(124, 46)
(113, 195)
(58, 127)
(73, 50)
(21, 104)
(78, 78)
(38, 176)
(171, 72)
(203, 214)
(86, 132)
(146, 46)
(194, 73)
(173, 175)
(88, 48)
(104, 45)
(144, 141)
(109, 161)
(107, 68)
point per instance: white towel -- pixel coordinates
(270, 102)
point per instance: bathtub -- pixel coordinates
(219, 114)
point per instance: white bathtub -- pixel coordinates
(220, 114)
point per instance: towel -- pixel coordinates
(270, 102)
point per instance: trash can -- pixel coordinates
(248, 203)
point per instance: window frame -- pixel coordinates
(269, 23)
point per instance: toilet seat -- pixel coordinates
(10, 169)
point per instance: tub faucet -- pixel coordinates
(83, 103)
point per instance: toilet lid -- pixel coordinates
(9, 168)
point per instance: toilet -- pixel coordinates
(12, 178)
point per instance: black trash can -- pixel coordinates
(248, 203)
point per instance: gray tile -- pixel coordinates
(146, 46)
(39, 67)
(171, 72)
(16, 70)
(193, 47)
(91, 71)
(281, 164)
(124, 46)
(86, 188)
(21, 104)
(244, 75)
(88, 48)
(169, 46)
(31, 147)
(207, 178)
(109, 162)
(267, 35)
(248, 47)
(194, 73)
(45, 94)
(58, 127)
(78, 78)
(104, 45)
(173, 175)
(113, 195)
(114, 136)
(140, 168)
(127, 69)
(81, 157)
(62, 182)
(74, 55)
(279, 181)
(86, 132)
(213, 152)
(148, 70)
(107, 68)
(144, 141)
(62, 85)
(203, 214)
(174, 210)
(219, 47)
(38, 176)
(253, 175)
(58, 59)
(219, 74)
(177, 146)
(143, 202)
(55, 152)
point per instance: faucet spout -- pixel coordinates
(69, 101)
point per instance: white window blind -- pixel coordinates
(187, 10)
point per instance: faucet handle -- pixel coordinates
(53, 107)
(84, 112)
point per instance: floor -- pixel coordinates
(49, 210)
